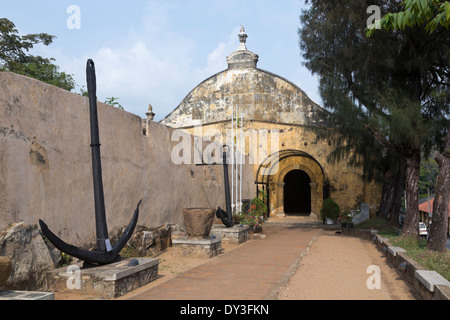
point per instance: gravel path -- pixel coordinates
(339, 267)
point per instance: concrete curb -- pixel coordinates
(430, 285)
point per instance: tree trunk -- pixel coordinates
(411, 224)
(439, 223)
(391, 197)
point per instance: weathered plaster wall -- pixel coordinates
(260, 94)
(45, 165)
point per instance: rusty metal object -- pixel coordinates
(105, 253)
(198, 221)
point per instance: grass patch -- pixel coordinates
(378, 224)
(415, 246)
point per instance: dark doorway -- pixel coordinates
(297, 193)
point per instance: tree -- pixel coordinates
(397, 82)
(354, 143)
(439, 226)
(14, 56)
(433, 16)
(429, 170)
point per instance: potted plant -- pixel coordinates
(254, 221)
(254, 217)
(345, 218)
(330, 211)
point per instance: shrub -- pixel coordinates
(330, 209)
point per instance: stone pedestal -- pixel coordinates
(197, 247)
(108, 281)
(25, 295)
(235, 235)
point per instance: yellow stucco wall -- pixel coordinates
(347, 186)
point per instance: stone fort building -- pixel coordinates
(45, 154)
(293, 172)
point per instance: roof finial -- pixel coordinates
(242, 39)
(150, 114)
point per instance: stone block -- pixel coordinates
(195, 247)
(234, 235)
(430, 279)
(108, 281)
(363, 215)
(394, 250)
(441, 292)
(25, 295)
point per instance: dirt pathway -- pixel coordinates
(336, 268)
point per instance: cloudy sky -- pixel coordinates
(156, 51)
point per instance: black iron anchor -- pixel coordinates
(225, 217)
(105, 253)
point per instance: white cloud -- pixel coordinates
(217, 59)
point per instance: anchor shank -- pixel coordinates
(227, 186)
(100, 212)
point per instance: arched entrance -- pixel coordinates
(297, 193)
(272, 173)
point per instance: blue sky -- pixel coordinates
(155, 52)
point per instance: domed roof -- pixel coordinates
(260, 95)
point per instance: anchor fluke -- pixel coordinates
(97, 257)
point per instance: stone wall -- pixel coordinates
(45, 165)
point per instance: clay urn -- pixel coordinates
(5, 270)
(198, 222)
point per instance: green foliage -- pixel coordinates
(416, 248)
(65, 259)
(258, 205)
(432, 13)
(255, 215)
(345, 217)
(113, 102)
(330, 209)
(429, 170)
(253, 219)
(377, 223)
(391, 87)
(14, 56)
